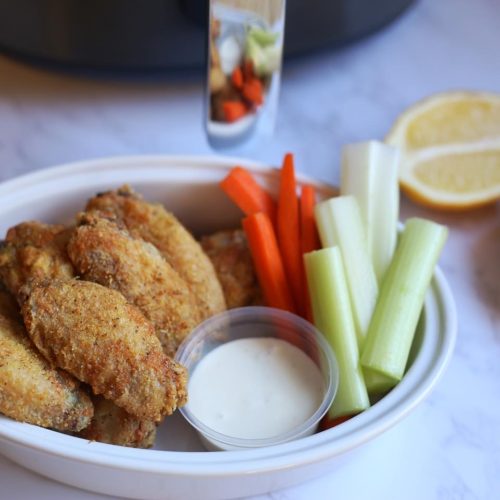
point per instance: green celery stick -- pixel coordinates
(263, 37)
(333, 317)
(401, 298)
(376, 382)
(265, 59)
(339, 223)
(370, 174)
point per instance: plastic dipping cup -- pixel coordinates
(259, 322)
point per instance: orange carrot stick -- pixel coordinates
(267, 260)
(309, 238)
(237, 77)
(328, 423)
(242, 188)
(308, 230)
(288, 230)
(252, 91)
(233, 110)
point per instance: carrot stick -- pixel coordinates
(309, 238)
(233, 110)
(288, 230)
(237, 77)
(308, 229)
(267, 260)
(251, 198)
(328, 423)
(253, 92)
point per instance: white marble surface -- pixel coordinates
(449, 448)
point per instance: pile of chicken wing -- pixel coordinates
(91, 315)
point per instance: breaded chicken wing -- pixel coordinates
(30, 389)
(33, 250)
(113, 425)
(93, 333)
(154, 224)
(230, 255)
(104, 253)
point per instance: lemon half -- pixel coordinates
(450, 150)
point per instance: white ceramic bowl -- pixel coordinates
(177, 468)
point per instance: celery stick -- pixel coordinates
(332, 316)
(376, 382)
(265, 59)
(263, 37)
(401, 298)
(339, 223)
(370, 174)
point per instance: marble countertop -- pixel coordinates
(449, 447)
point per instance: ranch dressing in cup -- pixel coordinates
(255, 388)
(258, 376)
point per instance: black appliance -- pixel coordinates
(143, 35)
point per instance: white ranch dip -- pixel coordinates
(255, 388)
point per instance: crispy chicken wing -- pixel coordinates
(230, 255)
(107, 254)
(33, 250)
(113, 425)
(154, 224)
(30, 389)
(92, 332)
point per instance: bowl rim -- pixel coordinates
(415, 386)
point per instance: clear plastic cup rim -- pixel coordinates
(216, 440)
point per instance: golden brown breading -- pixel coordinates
(33, 250)
(154, 224)
(93, 333)
(113, 425)
(30, 389)
(106, 254)
(230, 255)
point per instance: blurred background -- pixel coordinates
(350, 69)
